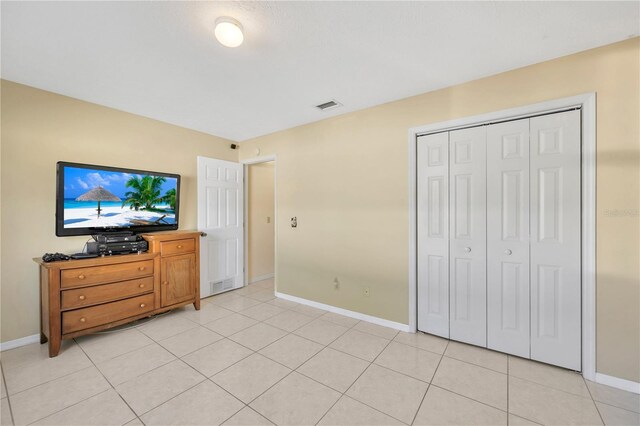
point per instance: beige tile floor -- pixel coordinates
(247, 358)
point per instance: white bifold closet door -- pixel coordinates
(555, 239)
(467, 232)
(452, 235)
(499, 221)
(508, 237)
(433, 233)
(533, 238)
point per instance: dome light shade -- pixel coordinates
(229, 32)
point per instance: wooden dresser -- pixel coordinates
(79, 297)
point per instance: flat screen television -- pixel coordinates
(93, 199)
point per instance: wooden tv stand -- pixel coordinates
(79, 297)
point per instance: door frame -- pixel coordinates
(245, 163)
(587, 103)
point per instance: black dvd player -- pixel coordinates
(116, 238)
(94, 247)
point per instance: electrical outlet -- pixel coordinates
(336, 283)
(367, 292)
(294, 222)
(268, 219)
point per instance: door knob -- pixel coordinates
(467, 249)
(508, 252)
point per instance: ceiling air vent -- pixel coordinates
(328, 105)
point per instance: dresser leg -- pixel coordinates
(196, 304)
(54, 346)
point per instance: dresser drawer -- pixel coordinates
(105, 274)
(169, 248)
(104, 314)
(88, 296)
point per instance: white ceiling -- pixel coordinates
(161, 60)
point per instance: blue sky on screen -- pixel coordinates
(77, 181)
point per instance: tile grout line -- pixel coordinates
(72, 405)
(45, 382)
(179, 393)
(430, 383)
(420, 405)
(107, 380)
(6, 389)
(554, 388)
(594, 401)
(292, 370)
(146, 372)
(137, 327)
(508, 394)
(358, 378)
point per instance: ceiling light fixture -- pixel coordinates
(229, 32)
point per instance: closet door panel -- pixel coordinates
(555, 239)
(433, 234)
(508, 237)
(467, 230)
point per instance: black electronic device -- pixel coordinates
(116, 238)
(92, 200)
(83, 255)
(103, 249)
(54, 257)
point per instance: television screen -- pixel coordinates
(96, 199)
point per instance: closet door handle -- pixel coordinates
(467, 249)
(508, 252)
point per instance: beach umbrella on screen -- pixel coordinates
(98, 194)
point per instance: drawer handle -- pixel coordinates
(142, 305)
(179, 246)
(83, 319)
(141, 268)
(82, 297)
(141, 286)
(81, 277)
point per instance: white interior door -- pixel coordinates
(221, 218)
(555, 239)
(508, 237)
(433, 233)
(467, 230)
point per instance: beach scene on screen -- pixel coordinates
(100, 198)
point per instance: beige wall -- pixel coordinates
(345, 178)
(40, 128)
(261, 232)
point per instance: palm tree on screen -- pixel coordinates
(170, 198)
(145, 192)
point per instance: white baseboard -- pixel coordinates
(23, 341)
(345, 312)
(261, 278)
(616, 382)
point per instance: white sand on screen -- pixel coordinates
(109, 216)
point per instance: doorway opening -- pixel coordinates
(260, 226)
(259, 222)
